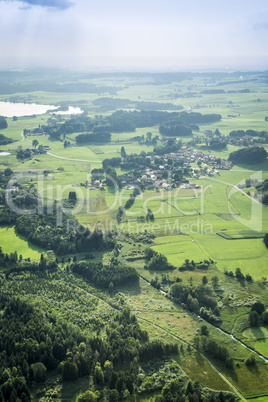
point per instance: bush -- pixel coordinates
(69, 371)
(38, 372)
(250, 361)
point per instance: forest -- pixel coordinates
(250, 155)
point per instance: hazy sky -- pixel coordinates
(170, 34)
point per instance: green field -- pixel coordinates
(10, 242)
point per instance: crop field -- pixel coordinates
(178, 249)
(226, 228)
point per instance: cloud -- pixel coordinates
(56, 4)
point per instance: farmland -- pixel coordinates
(206, 215)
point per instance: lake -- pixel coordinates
(9, 109)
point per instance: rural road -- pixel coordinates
(237, 188)
(70, 159)
(23, 137)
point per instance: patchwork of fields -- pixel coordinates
(216, 221)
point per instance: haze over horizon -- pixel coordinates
(174, 35)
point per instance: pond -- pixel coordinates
(9, 109)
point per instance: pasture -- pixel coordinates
(11, 241)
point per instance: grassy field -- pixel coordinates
(218, 209)
(11, 241)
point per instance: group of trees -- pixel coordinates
(265, 239)
(262, 194)
(27, 153)
(43, 231)
(198, 118)
(103, 136)
(33, 341)
(239, 275)
(140, 119)
(107, 104)
(125, 121)
(5, 176)
(250, 155)
(251, 133)
(30, 344)
(186, 390)
(134, 161)
(5, 140)
(131, 199)
(192, 265)
(173, 129)
(49, 229)
(171, 146)
(199, 299)
(3, 123)
(217, 144)
(113, 162)
(258, 315)
(156, 261)
(210, 346)
(113, 274)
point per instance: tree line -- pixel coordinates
(46, 230)
(250, 155)
(106, 275)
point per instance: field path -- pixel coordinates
(70, 159)
(204, 357)
(173, 335)
(188, 343)
(239, 189)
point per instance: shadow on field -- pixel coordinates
(29, 244)
(254, 370)
(71, 389)
(257, 333)
(132, 289)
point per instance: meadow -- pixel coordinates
(11, 241)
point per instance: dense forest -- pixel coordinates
(106, 276)
(107, 104)
(124, 121)
(250, 155)
(174, 129)
(35, 340)
(94, 137)
(48, 226)
(3, 123)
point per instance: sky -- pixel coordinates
(169, 35)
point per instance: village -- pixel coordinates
(173, 171)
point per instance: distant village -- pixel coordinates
(166, 176)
